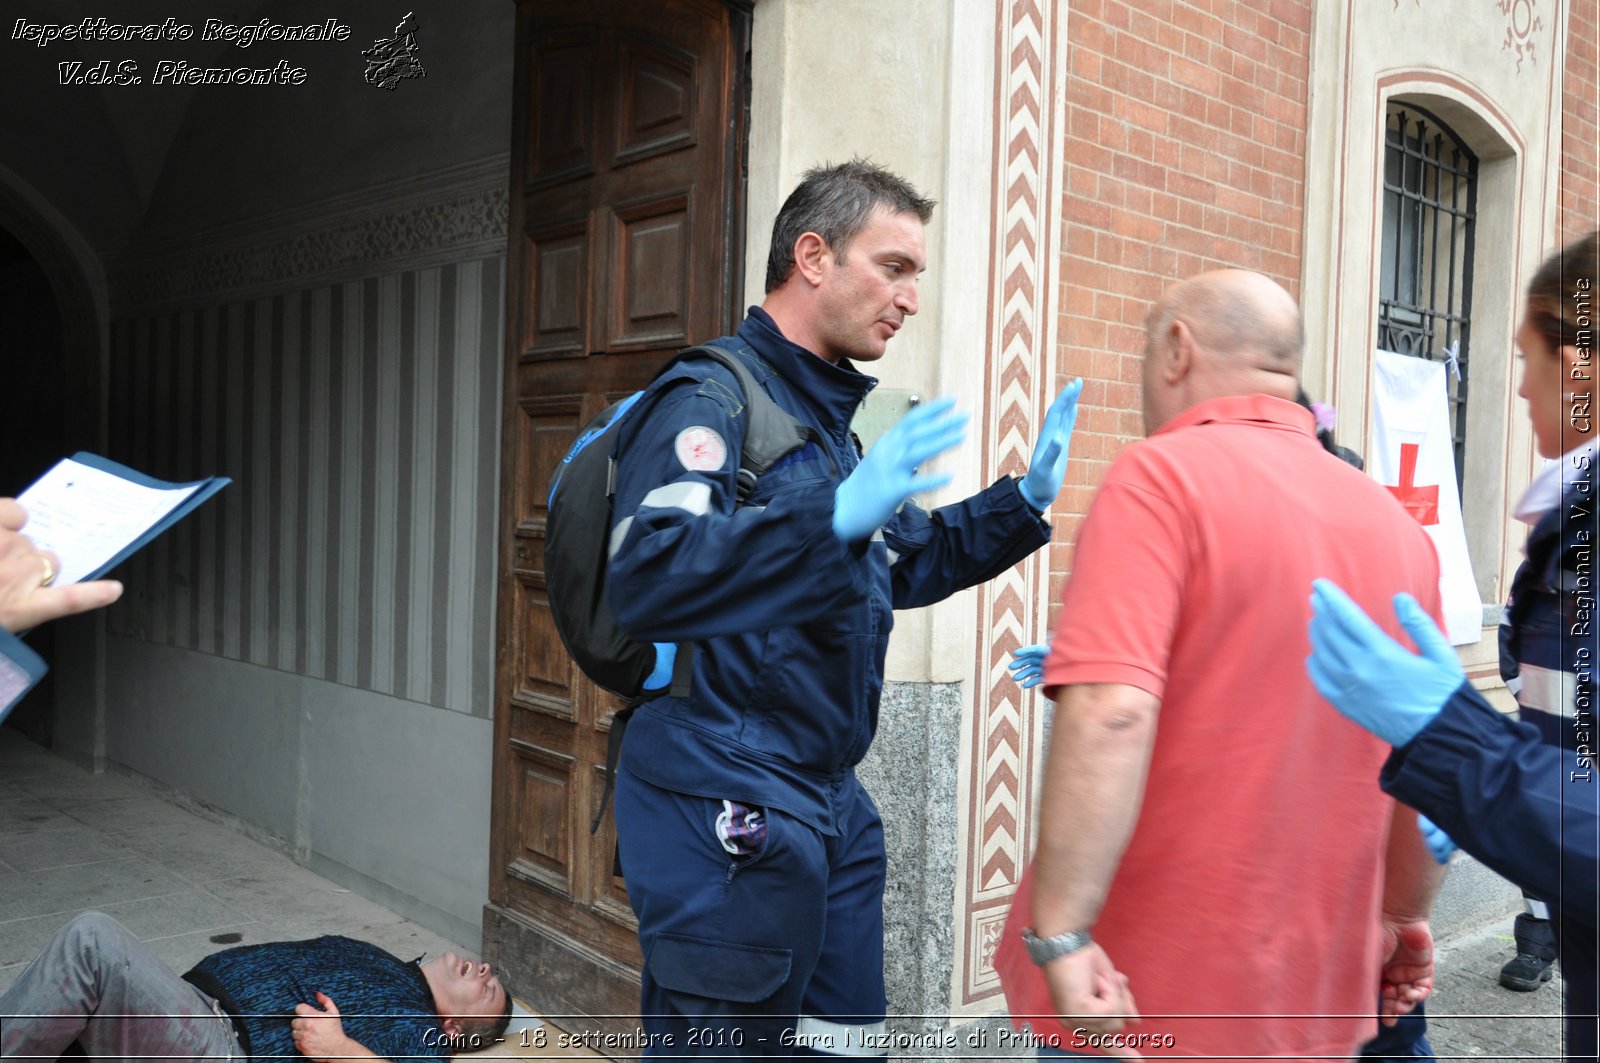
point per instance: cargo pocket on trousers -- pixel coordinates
(717, 970)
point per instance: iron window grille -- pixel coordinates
(1430, 202)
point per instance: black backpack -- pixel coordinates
(578, 531)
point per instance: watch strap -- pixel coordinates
(1043, 950)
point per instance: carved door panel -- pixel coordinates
(625, 246)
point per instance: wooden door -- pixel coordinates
(626, 244)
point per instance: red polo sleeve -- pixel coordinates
(1120, 609)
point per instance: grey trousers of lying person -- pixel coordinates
(97, 984)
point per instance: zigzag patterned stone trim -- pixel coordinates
(1021, 371)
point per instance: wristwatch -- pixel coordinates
(1043, 950)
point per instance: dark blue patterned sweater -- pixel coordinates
(384, 1003)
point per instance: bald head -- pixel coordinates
(1227, 332)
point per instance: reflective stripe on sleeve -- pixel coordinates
(691, 497)
(619, 533)
(1548, 690)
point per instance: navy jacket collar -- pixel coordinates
(832, 391)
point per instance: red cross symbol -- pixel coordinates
(1421, 502)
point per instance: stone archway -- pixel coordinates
(53, 322)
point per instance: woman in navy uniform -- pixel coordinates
(1521, 796)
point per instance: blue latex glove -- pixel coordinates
(887, 475)
(666, 656)
(1439, 843)
(1049, 465)
(1370, 677)
(1027, 664)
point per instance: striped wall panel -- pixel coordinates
(359, 423)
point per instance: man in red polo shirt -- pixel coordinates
(1210, 841)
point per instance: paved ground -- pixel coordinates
(1473, 1017)
(187, 887)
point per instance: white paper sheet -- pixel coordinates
(86, 516)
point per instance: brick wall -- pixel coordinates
(1580, 123)
(1185, 150)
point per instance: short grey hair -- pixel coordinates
(835, 202)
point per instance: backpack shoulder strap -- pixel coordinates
(770, 431)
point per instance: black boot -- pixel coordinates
(1536, 952)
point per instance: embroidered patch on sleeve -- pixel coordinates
(700, 449)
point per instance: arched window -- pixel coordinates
(1430, 199)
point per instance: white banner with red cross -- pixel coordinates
(1413, 455)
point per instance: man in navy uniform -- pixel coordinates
(754, 858)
